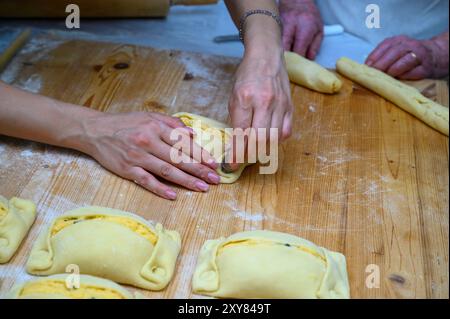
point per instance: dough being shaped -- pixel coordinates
(402, 95)
(310, 74)
(266, 264)
(16, 217)
(211, 129)
(56, 287)
(108, 243)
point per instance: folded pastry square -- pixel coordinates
(107, 243)
(16, 217)
(61, 287)
(207, 132)
(266, 264)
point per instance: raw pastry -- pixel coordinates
(55, 287)
(108, 243)
(402, 95)
(310, 74)
(211, 129)
(266, 264)
(16, 217)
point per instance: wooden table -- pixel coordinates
(359, 175)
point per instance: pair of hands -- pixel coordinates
(399, 56)
(137, 146)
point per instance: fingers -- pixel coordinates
(392, 55)
(287, 126)
(304, 36)
(190, 148)
(187, 164)
(418, 73)
(173, 122)
(406, 63)
(379, 51)
(288, 33)
(149, 182)
(173, 174)
(315, 46)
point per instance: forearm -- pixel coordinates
(38, 118)
(439, 46)
(262, 34)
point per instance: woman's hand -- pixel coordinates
(410, 59)
(137, 146)
(303, 27)
(261, 95)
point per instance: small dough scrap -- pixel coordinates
(108, 243)
(310, 74)
(59, 287)
(211, 129)
(401, 94)
(267, 264)
(16, 217)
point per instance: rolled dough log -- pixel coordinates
(206, 125)
(310, 74)
(402, 95)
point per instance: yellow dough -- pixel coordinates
(266, 264)
(55, 287)
(108, 243)
(211, 129)
(310, 74)
(402, 95)
(16, 217)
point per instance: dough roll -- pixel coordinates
(402, 95)
(310, 74)
(206, 131)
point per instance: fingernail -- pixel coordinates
(202, 186)
(213, 178)
(171, 194)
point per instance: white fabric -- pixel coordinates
(420, 19)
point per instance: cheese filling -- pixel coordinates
(57, 287)
(3, 210)
(130, 223)
(249, 242)
(190, 122)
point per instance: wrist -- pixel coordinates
(262, 37)
(76, 132)
(439, 52)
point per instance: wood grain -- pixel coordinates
(359, 175)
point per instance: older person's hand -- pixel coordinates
(410, 59)
(303, 27)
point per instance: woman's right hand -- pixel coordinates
(137, 146)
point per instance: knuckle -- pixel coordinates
(140, 139)
(165, 170)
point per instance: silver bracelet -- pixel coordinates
(257, 11)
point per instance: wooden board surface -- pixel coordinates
(359, 175)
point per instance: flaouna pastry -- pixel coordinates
(16, 217)
(59, 287)
(266, 264)
(107, 243)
